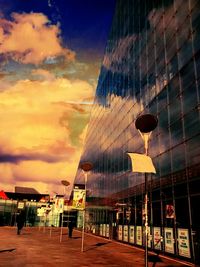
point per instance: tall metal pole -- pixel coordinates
(83, 228)
(146, 139)
(146, 220)
(145, 124)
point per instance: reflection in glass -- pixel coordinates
(151, 65)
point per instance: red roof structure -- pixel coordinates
(3, 195)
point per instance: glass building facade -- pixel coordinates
(151, 65)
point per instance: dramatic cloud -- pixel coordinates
(30, 38)
(42, 126)
(45, 101)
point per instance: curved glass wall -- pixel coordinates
(151, 65)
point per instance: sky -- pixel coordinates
(51, 52)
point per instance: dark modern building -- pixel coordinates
(151, 65)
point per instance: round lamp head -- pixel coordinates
(65, 182)
(146, 123)
(86, 166)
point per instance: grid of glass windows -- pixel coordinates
(151, 65)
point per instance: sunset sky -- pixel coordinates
(50, 57)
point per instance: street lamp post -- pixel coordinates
(145, 124)
(65, 183)
(86, 167)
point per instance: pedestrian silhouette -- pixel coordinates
(70, 227)
(20, 221)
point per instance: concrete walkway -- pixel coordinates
(37, 248)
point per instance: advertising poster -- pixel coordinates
(139, 235)
(131, 234)
(59, 205)
(79, 199)
(20, 205)
(107, 230)
(170, 211)
(126, 233)
(157, 238)
(149, 237)
(169, 240)
(104, 229)
(183, 243)
(101, 229)
(120, 232)
(144, 237)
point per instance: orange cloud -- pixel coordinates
(30, 38)
(35, 131)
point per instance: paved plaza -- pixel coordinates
(37, 248)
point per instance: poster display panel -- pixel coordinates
(157, 238)
(144, 236)
(107, 230)
(120, 232)
(131, 234)
(59, 205)
(183, 243)
(169, 240)
(149, 237)
(139, 235)
(101, 229)
(20, 205)
(125, 233)
(104, 229)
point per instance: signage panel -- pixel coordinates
(79, 199)
(169, 240)
(20, 205)
(125, 233)
(157, 238)
(101, 229)
(149, 237)
(139, 235)
(131, 234)
(107, 230)
(120, 232)
(170, 211)
(183, 243)
(104, 229)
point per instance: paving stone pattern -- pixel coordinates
(35, 248)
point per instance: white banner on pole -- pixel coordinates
(141, 163)
(79, 198)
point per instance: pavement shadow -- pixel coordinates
(7, 250)
(97, 245)
(154, 259)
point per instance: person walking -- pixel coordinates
(70, 228)
(20, 221)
